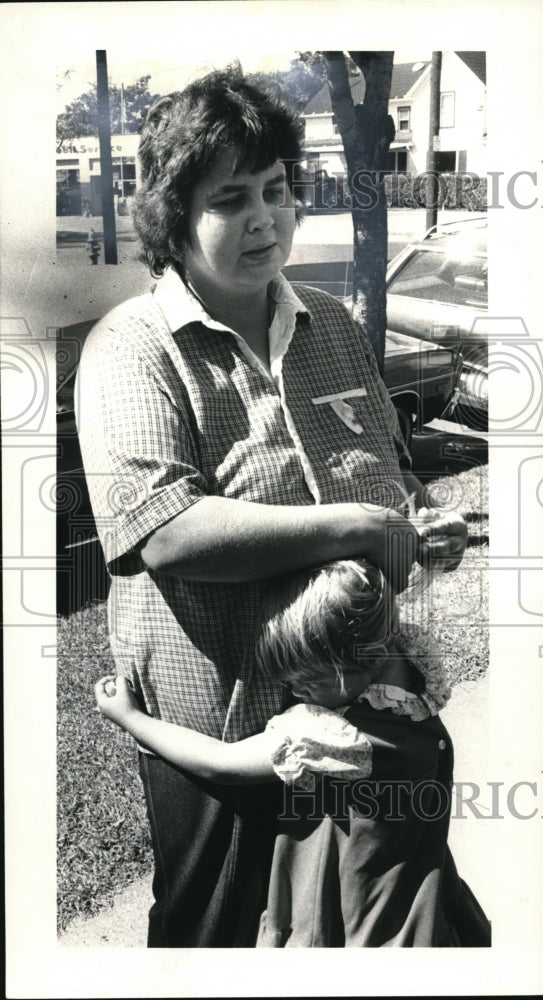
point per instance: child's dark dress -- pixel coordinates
(361, 856)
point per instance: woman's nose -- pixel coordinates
(260, 215)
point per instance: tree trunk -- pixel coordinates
(367, 131)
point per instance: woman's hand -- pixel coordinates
(116, 700)
(391, 542)
(402, 550)
(443, 537)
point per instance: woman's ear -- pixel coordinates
(299, 211)
(177, 254)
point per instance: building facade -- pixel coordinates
(79, 175)
(461, 145)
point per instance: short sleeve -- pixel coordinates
(309, 740)
(140, 459)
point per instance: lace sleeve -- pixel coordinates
(311, 740)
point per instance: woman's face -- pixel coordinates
(241, 227)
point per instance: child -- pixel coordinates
(361, 857)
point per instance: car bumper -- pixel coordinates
(471, 409)
(473, 389)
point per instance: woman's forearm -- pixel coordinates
(224, 540)
(202, 755)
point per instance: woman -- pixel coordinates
(231, 430)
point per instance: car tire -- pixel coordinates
(405, 420)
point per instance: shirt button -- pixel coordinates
(442, 744)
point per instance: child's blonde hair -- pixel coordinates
(330, 616)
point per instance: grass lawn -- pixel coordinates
(103, 840)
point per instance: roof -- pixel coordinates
(476, 61)
(404, 75)
(320, 103)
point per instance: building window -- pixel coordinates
(445, 162)
(335, 126)
(396, 162)
(124, 174)
(404, 119)
(68, 189)
(446, 111)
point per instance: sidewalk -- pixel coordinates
(124, 925)
(467, 718)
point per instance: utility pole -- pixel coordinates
(432, 186)
(106, 166)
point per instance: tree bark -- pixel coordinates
(367, 131)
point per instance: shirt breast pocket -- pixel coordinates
(344, 405)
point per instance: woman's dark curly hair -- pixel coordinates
(182, 137)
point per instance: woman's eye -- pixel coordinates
(275, 194)
(233, 202)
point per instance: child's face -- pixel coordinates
(329, 690)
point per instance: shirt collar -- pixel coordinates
(180, 307)
(283, 294)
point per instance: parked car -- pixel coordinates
(437, 290)
(422, 380)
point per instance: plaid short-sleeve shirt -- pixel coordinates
(173, 407)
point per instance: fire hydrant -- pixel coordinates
(93, 247)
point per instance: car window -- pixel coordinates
(65, 394)
(461, 280)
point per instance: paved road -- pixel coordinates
(320, 237)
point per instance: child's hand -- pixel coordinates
(116, 699)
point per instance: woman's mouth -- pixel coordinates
(260, 252)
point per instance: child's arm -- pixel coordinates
(225, 763)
